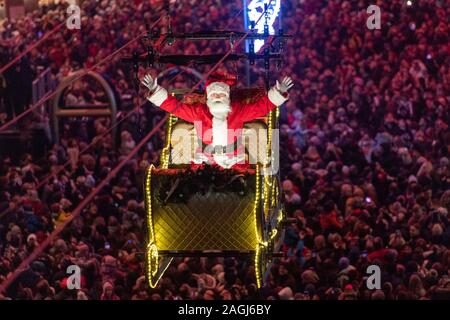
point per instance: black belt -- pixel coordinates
(219, 149)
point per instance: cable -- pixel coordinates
(229, 24)
(31, 47)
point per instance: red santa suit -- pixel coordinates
(217, 132)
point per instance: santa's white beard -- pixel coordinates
(219, 108)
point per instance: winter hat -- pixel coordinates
(343, 263)
(219, 82)
(38, 266)
(349, 291)
(90, 181)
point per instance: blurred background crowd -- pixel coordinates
(364, 143)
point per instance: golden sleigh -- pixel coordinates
(218, 221)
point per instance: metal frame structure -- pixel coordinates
(267, 216)
(96, 110)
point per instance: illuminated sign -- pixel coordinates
(255, 15)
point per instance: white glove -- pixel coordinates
(149, 82)
(284, 85)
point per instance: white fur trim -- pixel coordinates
(159, 96)
(276, 97)
(219, 131)
(217, 87)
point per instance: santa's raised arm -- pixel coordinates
(220, 118)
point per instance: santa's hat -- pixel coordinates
(219, 82)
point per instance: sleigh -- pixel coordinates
(211, 212)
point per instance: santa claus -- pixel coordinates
(219, 122)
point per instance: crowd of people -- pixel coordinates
(364, 155)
